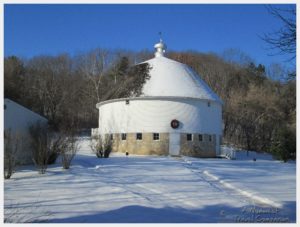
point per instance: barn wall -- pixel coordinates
(145, 146)
(196, 148)
(17, 120)
(195, 116)
(148, 146)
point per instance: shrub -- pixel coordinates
(283, 146)
(69, 150)
(56, 143)
(107, 150)
(101, 146)
(12, 143)
(39, 144)
(69, 145)
(96, 146)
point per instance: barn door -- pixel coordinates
(174, 143)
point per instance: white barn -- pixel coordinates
(176, 114)
(17, 120)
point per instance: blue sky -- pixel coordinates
(32, 30)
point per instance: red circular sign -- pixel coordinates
(174, 123)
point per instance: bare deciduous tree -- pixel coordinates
(12, 145)
(93, 66)
(69, 150)
(48, 80)
(101, 145)
(96, 146)
(284, 40)
(39, 145)
(69, 144)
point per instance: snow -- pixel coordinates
(231, 152)
(156, 189)
(173, 79)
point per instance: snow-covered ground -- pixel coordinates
(154, 189)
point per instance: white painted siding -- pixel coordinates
(18, 118)
(155, 116)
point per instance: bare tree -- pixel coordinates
(277, 71)
(69, 145)
(14, 76)
(236, 56)
(69, 150)
(284, 40)
(55, 143)
(12, 144)
(48, 83)
(39, 144)
(101, 145)
(93, 66)
(96, 146)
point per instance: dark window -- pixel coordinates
(189, 137)
(155, 136)
(123, 135)
(208, 104)
(200, 137)
(111, 136)
(139, 136)
(209, 138)
(127, 102)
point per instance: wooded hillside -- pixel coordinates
(259, 112)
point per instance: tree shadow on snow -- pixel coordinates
(220, 213)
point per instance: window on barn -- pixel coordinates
(111, 137)
(208, 104)
(123, 136)
(209, 138)
(155, 136)
(200, 137)
(139, 136)
(189, 137)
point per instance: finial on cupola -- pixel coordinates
(160, 47)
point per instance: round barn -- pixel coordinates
(177, 113)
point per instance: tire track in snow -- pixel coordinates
(229, 189)
(254, 198)
(212, 183)
(168, 197)
(144, 191)
(154, 196)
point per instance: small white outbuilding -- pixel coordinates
(176, 114)
(17, 120)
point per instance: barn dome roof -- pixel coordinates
(174, 79)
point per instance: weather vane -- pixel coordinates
(159, 33)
